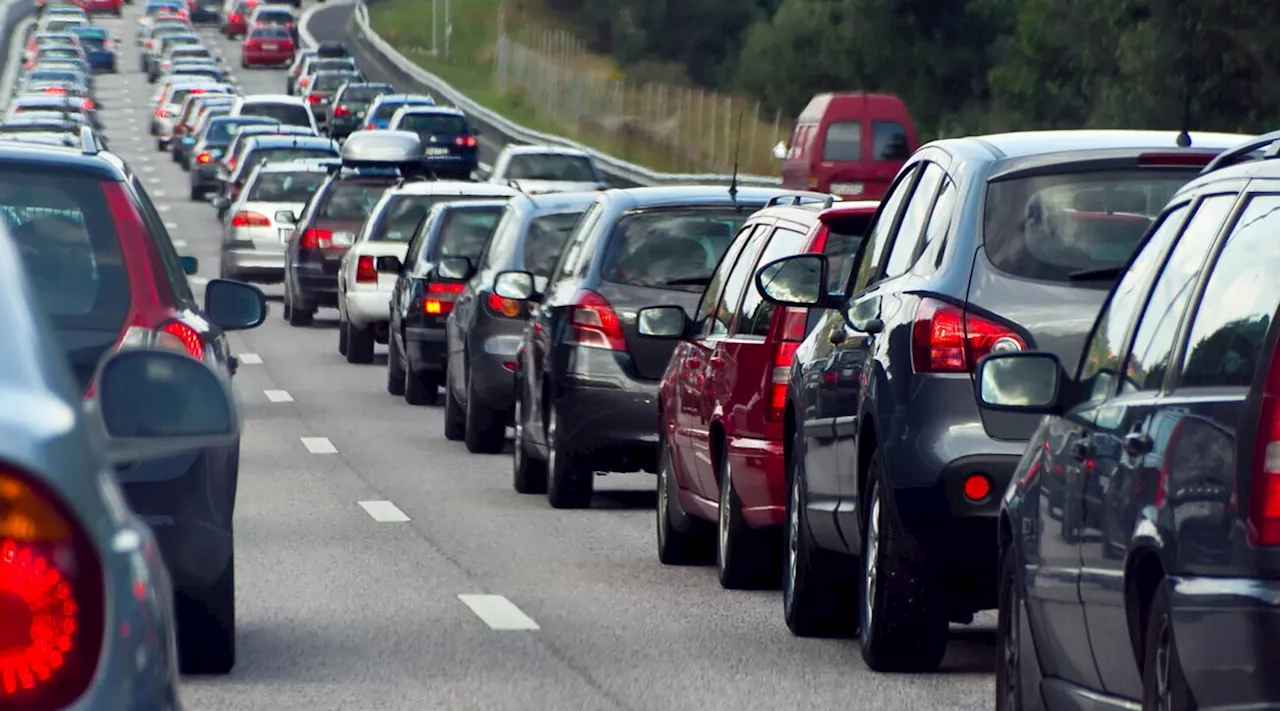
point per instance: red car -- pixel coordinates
(92, 6)
(267, 44)
(722, 397)
(236, 23)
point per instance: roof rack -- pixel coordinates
(1231, 155)
(801, 199)
(89, 144)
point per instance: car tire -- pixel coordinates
(528, 473)
(359, 345)
(746, 558)
(455, 418)
(486, 430)
(682, 539)
(1009, 693)
(161, 145)
(1164, 684)
(421, 389)
(904, 616)
(342, 337)
(207, 625)
(569, 484)
(816, 600)
(395, 368)
(299, 316)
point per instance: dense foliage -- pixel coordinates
(971, 65)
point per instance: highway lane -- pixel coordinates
(344, 606)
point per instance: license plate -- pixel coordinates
(270, 47)
(437, 151)
(341, 239)
(359, 114)
(847, 188)
(285, 234)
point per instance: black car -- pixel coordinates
(330, 49)
(449, 141)
(1166, 595)
(324, 84)
(347, 110)
(210, 143)
(982, 245)
(484, 329)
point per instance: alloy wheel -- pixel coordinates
(793, 544)
(1164, 657)
(518, 443)
(726, 494)
(871, 564)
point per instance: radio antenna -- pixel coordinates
(737, 151)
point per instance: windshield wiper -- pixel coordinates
(1102, 274)
(688, 281)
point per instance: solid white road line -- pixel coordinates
(383, 511)
(278, 395)
(249, 358)
(498, 612)
(319, 445)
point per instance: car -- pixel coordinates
(350, 102)
(97, 252)
(99, 47)
(174, 52)
(58, 52)
(311, 65)
(267, 44)
(205, 11)
(276, 16)
(253, 243)
(54, 102)
(402, 220)
(262, 148)
(63, 90)
(983, 245)
(1170, 404)
(633, 248)
(185, 122)
(266, 126)
(295, 69)
(450, 146)
(288, 110)
(211, 140)
(195, 67)
(328, 225)
(46, 76)
(161, 46)
(332, 49)
(484, 329)
(321, 90)
(235, 18)
(61, 23)
(112, 7)
(385, 107)
(170, 106)
(49, 39)
(546, 169)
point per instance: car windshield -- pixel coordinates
(404, 215)
(364, 94)
(432, 124)
(544, 240)
(671, 248)
(464, 231)
(286, 187)
(352, 199)
(222, 130)
(263, 155)
(1049, 227)
(551, 166)
(290, 114)
(332, 64)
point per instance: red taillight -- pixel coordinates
(51, 598)
(88, 105)
(341, 110)
(595, 323)
(465, 141)
(54, 90)
(179, 336)
(1174, 159)
(947, 339)
(316, 239)
(502, 306)
(440, 297)
(787, 339)
(233, 19)
(365, 271)
(1264, 494)
(162, 113)
(244, 218)
(204, 158)
(313, 98)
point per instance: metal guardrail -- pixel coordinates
(513, 133)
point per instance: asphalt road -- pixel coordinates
(346, 607)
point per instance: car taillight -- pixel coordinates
(180, 337)
(790, 333)
(440, 297)
(948, 339)
(365, 271)
(88, 105)
(233, 19)
(204, 158)
(341, 110)
(465, 141)
(595, 324)
(1264, 494)
(244, 218)
(502, 306)
(313, 98)
(51, 597)
(314, 238)
(162, 113)
(54, 90)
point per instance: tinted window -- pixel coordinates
(329, 65)
(1101, 359)
(756, 312)
(330, 81)
(405, 214)
(1153, 342)
(843, 142)
(172, 272)
(549, 166)
(220, 132)
(573, 254)
(711, 296)
(59, 53)
(935, 232)
(269, 33)
(387, 109)
(291, 114)
(739, 278)
(364, 94)
(890, 141)
(873, 248)
(433, 124)
(189, 52)
(286, 187)
(265, 155)
(351, 200)
(670, 248)
(1239, 301)
(465, 231)
(544, 240)
(911, 233)
(1049, 227)
(844, 236)
(93, 41)
(275, 17)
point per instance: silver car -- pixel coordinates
(253, 241)
(84, 575)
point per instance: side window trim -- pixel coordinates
(929, 168)
(752, 243)
(731, 255)
(908, 176)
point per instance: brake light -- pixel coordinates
(51, 598)
(162, 113)
(365, 272)
(180, 337)
(341, 110)
(502, 306)
(465, 141)
(234, 19)
(244, 218)
(88, 105)
(54, 90)
(788, 336)
(1147, 160)
(595, 323)
(441, 297)
(204, 158)
(1264, 496)
(313, 238)
(948, 339)
(313, 98)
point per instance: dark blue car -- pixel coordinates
(386, 106)
(99, 47)
(450, 149)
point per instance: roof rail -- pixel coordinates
(89, 144)
(800, 199)
(1230, 156)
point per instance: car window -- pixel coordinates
(387, 109)
(843, 142)
(872, 252)
(289, 114)
(286, 187)
(1240, 300)
(711, 296)
(266, 32)
(433, 124)
(890, 141)
(906, 245)
(271, 155)
(464, 232)
(1048, 227)
(573, 255)
(670, 248)
(364, 94)
(933, 247)
(222, 131)
(551, 166)
(1101, 359)
(172, 272)
(351, 200)
(844, 236)
(544, 240)
(757, 313)
(735, 283)
(330, 81)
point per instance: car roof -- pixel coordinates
(454, 187)
(1030, 143)
(272, 99)
(15, 153)
(675, 195)
(307, 165)
(548, 150)
(442, 110)
(275, 141)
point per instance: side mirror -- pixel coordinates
(234, 305)
(454, 268)
(1021, 382)
(220, 202)
(158, 403)
(665, 322)
(799, 280)
(781, 150)
(190, 265)
(387, 265)
(286, 217)
(515, 285)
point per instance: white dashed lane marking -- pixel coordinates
(278, 395)
(177, 243)
(174, 226)
(162, 208)
(319, 445)
(199, 281)
(383, 511)
(249, 359)
(498, 612)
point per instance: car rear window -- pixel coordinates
(433, 124)
(671, 248)
(330, 81)
(405, 214)
(266, 155)
(352, 199)
(844, 237)
(1048, 227)
(286, 187)
(275, 17)
(330, 64)
(59, 52)
(68, 244)
(192, 51)
(550, 166)
(364, 94)
(197, 72)
(222, 131)
(388, 109)
(545, 239)
(178, 41)
(291, 114)
(843, 142)
(464, 231)
(93, 41)
(269, 32)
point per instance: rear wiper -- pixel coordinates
(1103, 274)
(688, 281)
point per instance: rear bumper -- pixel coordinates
(102, 61)
(452, 164)
(267, 57)
(365, 308)
(253, 265)
(1228, 635)
(312, 283)
(204, 175)
(596, 391)
(424, 349)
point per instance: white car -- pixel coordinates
(169, 104)
(288, 110)
(364, 292)
(253, 242)
(547, 169)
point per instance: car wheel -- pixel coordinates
(904, 621)
(197, 193)
(161, 145)
(455, 422)
(569, 483)
(359, 344)
(300, 315)
(682, 539)
(528, 473)
(207, 625)
(421, 389)
(815, 599)
(1164, 684)
(395, 368)
(1009, 635)
(286, 308)
(342, 337)
(745, 558)
(486, 429)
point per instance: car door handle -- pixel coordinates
(1137, 444)
(716, 362)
